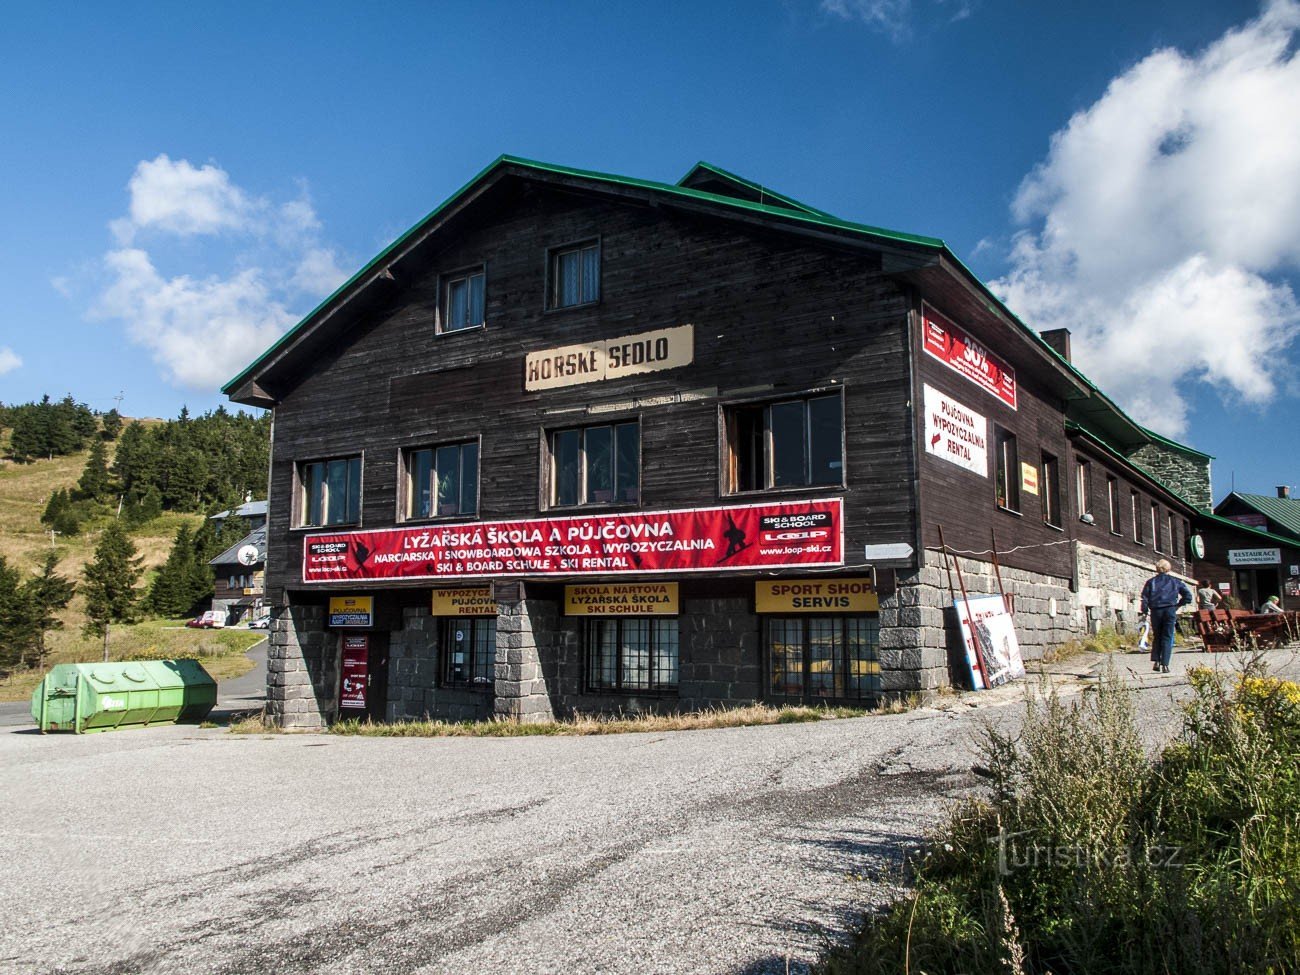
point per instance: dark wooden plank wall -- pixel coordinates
(965, 503)
(1100, 535)
(769, 311)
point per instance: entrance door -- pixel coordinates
(363, 677)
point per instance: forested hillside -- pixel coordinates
(103, 526)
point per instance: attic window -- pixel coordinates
(462, 304)
(574, 275)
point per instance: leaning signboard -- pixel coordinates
(988, 635)
(766, 536)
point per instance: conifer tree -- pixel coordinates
(46, 594)
(110, 581)
(173, 591)
(94, 484)
(15, 618)
(112, 424)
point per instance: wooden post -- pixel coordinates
(974, 634)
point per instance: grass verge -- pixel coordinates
(220, 651)
(757, 714)
(1091, 856)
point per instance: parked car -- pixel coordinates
(261, 623)
(213, 619)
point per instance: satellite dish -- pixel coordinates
(247, 555)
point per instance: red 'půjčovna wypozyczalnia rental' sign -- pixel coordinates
(756, 536)
(961, 353)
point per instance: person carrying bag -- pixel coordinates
(1161, 597)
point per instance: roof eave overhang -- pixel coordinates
(1075, 431)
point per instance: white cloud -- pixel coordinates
(319, 273)
(236, 295)
(201, 332)
(183, 199)
(9, 360)
(895, 18)
(1162, 219)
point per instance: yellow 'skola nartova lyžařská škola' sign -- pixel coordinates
(622, 599)
(475, 601)
(815, 596)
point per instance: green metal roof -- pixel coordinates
(790, 210)
(1283, 511)
(1073, 427)
(804, 215)
(759, 188)
(1261, 533)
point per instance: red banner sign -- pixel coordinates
(356, 665)
(958, 351)
(757, 536)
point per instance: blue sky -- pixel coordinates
(182, 182)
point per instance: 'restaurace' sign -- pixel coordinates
(1254, 556)
(769, 536)
(622, 599)
(464, 602)
(955, 432)
(961, 353)
(815, 596)
(593, 362)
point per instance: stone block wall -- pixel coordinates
(524, 630)
(302, 668)
(1110, 587)
(1189, 476)
(721, 654)
(920, 645)
(413, 660)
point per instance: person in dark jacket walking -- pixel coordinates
(1161, 597)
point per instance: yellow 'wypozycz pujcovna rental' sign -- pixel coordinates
(352, 610)
(593, 362)
(622, 599)
(816, 596)
(464, 602)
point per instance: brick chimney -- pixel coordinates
(1058, 339)
(1283, 491)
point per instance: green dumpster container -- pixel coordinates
(84, 698)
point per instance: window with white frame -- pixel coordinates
(574, 273)
(463, 300)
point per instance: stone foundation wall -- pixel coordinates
(524, 631)
(920, 645)
(413, 660)
(721, 653)
(301, 668)
(1110, 587)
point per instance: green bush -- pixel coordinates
(1090, 857)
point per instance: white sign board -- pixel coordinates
(1254, 556)
(955, 432)
(593, 362)
(994, 658)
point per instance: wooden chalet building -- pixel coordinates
(580, 442)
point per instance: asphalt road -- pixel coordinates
(197, 851)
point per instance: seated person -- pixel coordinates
(1271, 605)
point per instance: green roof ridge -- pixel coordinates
(816, 219)
(1102, 442)
(759, 187)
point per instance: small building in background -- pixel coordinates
(241, 576)
(1252, 548)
